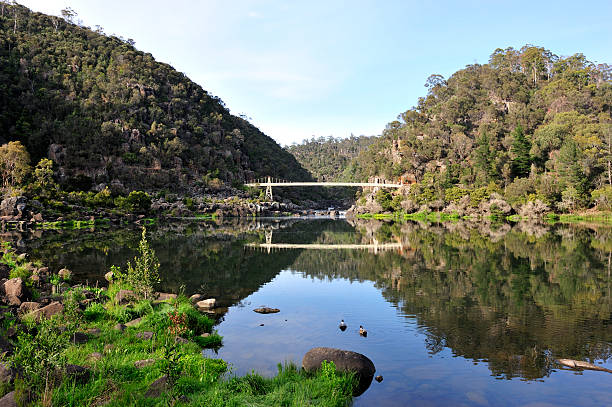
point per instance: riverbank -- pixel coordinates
(590, 217)
(126, 345)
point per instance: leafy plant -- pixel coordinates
(144, 273)
(39, 353)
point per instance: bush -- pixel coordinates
(385, 199)
(145, 272)
(94, 312)
(136, 201)
(37, 357)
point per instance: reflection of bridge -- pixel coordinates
(269, 182)
(374, 247)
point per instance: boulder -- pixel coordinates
(158, 387)
(28, 306)
(139, 364)
(146, 335)
(196, 297)
(80, 338)
(345, 361)
(119, 327)
(95, 356)
(13, 206)
(94, 331)
(266, 310)
(5, 271)
(47, 312)
(125, 296)
(79, 373)
(134, 322)
(164, 296)
(8, 400)
(6, 374)
(206, 304)
(14, 289)
(64, 274)
(180, 339)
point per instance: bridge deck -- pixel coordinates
(323, 184)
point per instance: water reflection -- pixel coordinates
(513, 298)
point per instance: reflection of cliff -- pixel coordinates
(204, 257)
(512, 299)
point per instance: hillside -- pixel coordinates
(529, 125)
(327, 158)
(105, 112)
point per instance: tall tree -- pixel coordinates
(14, 163)
(521, 163)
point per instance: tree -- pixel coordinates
(521, 163)
(43, 177)
(14, 163)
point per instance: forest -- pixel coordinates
(326, 158)
(105, 112)
(528, 126)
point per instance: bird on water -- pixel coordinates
(342, 326)
(362, 331)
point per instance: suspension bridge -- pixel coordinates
(374, 247)
(270, 182)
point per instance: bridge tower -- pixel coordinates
(268, 239)
(269, 189)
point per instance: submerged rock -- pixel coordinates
(266, 310)
(345, 361)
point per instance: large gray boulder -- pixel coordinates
(8, 400)
(14, 289)
(13, 206)
(47, 312)
(345, 361)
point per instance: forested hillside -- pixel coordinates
(327, 158)
(105, 112)
(529, 125)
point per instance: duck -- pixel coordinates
(362, 331)
(342, 326)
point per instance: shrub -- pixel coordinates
(145, 272)
(385, 199)
(136, 201)
(94, 312)
(38, 356)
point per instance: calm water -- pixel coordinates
(465, 315)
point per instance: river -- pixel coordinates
(457, 314)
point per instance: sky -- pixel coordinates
(300, 69)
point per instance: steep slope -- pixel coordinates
(104, 110)
(529, 125)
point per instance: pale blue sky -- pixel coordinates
(337, 67)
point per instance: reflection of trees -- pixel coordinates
(512, 296)
(514, 299)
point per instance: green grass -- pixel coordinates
(202, 381)
(206, 216)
